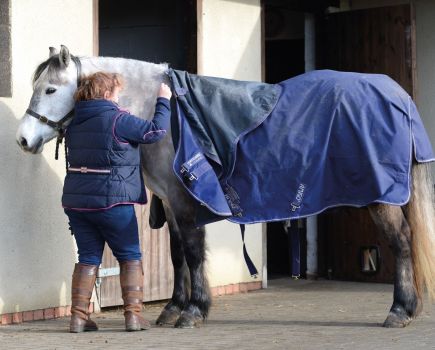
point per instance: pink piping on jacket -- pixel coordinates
(123, 110)
(96, 209)
(150, 132)
(113, 130)
(85, 170)
(126, 143)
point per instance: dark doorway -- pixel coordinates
(284, 43)
(154, 30)
(281, 242)
(284, 58)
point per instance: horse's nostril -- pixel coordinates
(23, 142)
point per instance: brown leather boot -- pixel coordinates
(132, 294)
(83, 281)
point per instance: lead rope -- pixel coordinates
(59, 140)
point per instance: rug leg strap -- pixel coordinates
(293, 231)
(251, 267)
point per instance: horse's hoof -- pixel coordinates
(188, 320)
(396, 321)
(168, 316)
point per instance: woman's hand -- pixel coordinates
(165, 91)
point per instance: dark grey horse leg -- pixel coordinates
(190, 252)
(197, 308)
(407, 304)
(180, 294)
(182, 206)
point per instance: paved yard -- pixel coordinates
(287, 315)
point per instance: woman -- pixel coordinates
(103, 182)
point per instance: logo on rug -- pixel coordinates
(194, 167)
(296, 204)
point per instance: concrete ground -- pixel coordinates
(288, 315)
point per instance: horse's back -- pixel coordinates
(337, 86)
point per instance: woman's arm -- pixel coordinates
(131, 129)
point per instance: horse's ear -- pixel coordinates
(64, 56)
(53, 51)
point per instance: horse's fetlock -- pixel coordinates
(180, 296)
(193, 310)
(202, 302)
(172, 306)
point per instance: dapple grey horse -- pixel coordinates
(410, 229)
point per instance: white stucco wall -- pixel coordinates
(37, 252)
(229, 46)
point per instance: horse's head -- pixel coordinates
(54, 83)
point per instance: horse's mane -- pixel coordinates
(53, 65)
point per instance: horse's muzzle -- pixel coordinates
(36, 148)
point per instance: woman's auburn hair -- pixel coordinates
(95, 85)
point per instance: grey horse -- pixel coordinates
(410, 228)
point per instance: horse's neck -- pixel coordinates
(142, 81)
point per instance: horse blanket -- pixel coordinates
(254, 152)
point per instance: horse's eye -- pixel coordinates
(50, 91)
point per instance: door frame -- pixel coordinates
(95, 21)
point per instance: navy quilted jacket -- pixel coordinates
(103, 154)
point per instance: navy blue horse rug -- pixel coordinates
(254, 152)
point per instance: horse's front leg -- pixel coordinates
(193, 244)
(407, 303)
(196, 310)
(187, 249)
(180, 294)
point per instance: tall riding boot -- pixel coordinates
(132, 294)
(83, 281)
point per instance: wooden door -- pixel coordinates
(379, 40)
(156, 259)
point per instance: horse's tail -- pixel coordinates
(420, 215)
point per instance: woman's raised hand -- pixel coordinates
(165, 91)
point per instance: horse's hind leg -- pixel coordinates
(407, 304)
(180, 294)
